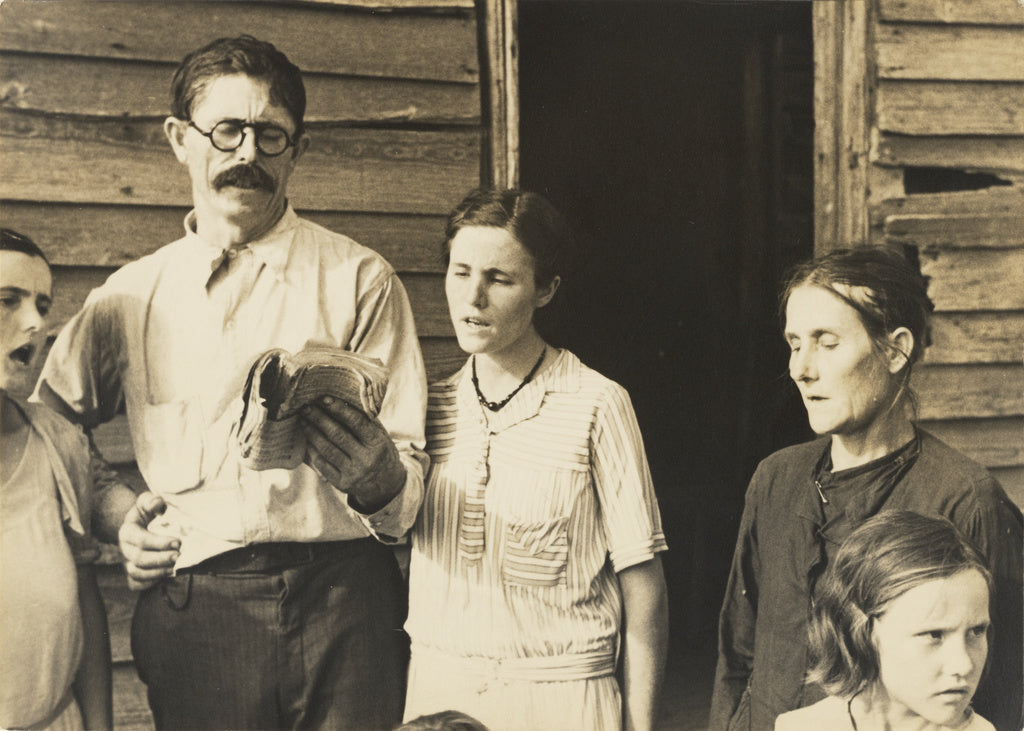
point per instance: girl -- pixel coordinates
(900, 630)
(535, 556)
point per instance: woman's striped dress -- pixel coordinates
(529, 512)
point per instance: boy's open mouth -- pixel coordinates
(23, 355)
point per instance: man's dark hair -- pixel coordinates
(239, 55)
(14, 241)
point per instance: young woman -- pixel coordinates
(856, 321)
(54, 652)
(535, 564)
(900, 630)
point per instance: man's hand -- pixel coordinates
(353, 452)
(148, 557)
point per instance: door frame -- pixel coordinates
(501, 68)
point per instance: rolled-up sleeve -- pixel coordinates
(80, 378)
(622, 478)
(386, 330)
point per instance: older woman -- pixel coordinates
(856, 321)
(535, 562)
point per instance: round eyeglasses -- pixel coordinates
(229, 134)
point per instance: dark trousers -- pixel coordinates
(244, 642)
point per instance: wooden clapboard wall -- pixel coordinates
(933, 156)
(394, 109)
(394, 112)
(397, 111)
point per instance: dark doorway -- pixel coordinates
(678, 137)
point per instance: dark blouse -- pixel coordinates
(784, 543)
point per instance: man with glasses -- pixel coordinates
(270, 599)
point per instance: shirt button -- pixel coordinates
(232, 253)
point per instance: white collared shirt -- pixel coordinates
(176, 355)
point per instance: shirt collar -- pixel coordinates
(563, 375)
(272, 248)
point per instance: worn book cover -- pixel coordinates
(280, 384)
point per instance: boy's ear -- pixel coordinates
(175, 130)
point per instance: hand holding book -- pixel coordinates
(280, 384)
(353, 453)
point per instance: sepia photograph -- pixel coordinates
(512, 365)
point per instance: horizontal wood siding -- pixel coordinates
(105, 87)
(927, 51)
(997, 154)
(395, 114)
(949, 120)
(130, 163)
(430, 43)
(975, 337)
(100, 235)
(952, 13)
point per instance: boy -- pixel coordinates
(54, 652)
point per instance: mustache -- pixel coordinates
(245, 176)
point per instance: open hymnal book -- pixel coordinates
(280, 384)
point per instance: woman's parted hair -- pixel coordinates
(239, 55)
(878, 562)
(529, 218)
(884, 286)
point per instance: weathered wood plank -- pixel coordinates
(393, 171)
(111, 236)
(969, 391)
(982, 12)
(1012, 480)
(956, 231)
(112, 88)
(408, 45)
(996, 202)
(976, 279)
(387, 5)
(131, 710)
(842, 130)
(410, 243)
(976, 337)
(71, 285)
(948, 108)
(989, 154)
(992, 442)
(442, 357)
(915, 51)
(429, 305)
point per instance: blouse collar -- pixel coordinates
(560, 376)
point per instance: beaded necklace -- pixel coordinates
(497, 405)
